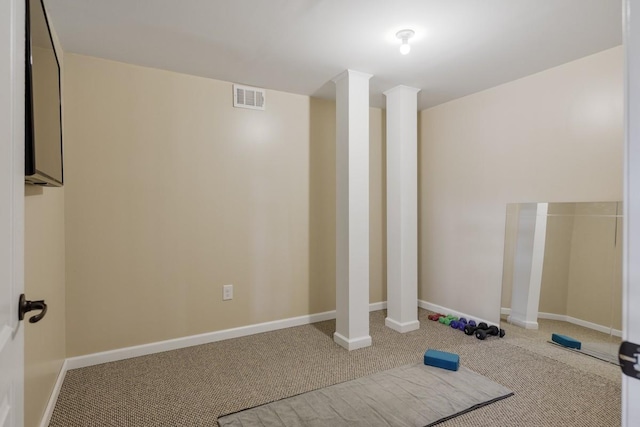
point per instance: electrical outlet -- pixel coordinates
(227, 292)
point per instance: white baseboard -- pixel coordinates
(402, 327)
(376, 306)
(161, 346)
(189, 341)
(444, 310)
(206, 338)
(48, 412)
(583, 323)
(569, 319)
(553, 316)
(521, 322)
(353, 343)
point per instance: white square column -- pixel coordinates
(528, 263)
(352, 210)
(402, 209)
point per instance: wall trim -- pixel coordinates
(353, 343)
(174, 344)
(189, 341)
(574, 320)
(553, 316)
(242, 331)
(376, 306)
(523, 323)
(206, 338)
(53, 398)
(192, 340)
(583, 323)
(444, 310)
(402, 327)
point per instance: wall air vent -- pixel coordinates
(248, 97)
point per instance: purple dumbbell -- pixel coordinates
(459, 324)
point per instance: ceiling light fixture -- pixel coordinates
(405, 35)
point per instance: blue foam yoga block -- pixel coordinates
(442, 359)
(566, 341)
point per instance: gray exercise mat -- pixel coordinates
(412, 395)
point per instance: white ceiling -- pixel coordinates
(298, 46)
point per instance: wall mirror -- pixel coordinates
(562, 272)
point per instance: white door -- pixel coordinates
(631, 296)
(11, 211)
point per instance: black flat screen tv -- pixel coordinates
(43, 110)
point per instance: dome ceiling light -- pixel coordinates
(405, 35)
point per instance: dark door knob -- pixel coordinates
(25, 306)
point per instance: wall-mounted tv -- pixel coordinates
(43, 111)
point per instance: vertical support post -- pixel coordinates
(402, 209)
(528, 264)
(352, 210)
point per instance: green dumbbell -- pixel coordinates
(443, 318)
(447, 319)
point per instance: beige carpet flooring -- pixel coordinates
(193, 386)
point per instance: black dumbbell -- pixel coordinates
(481, 333)
(470, 329)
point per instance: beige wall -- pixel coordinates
(593, 281)
(44, 259)
(554, 136)
(510, 241)
(616, 295)
(322, 226)
(172, 193)
(557, 257)
(44, 279)
(582, 274)
(377, 205)
(322, 205)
